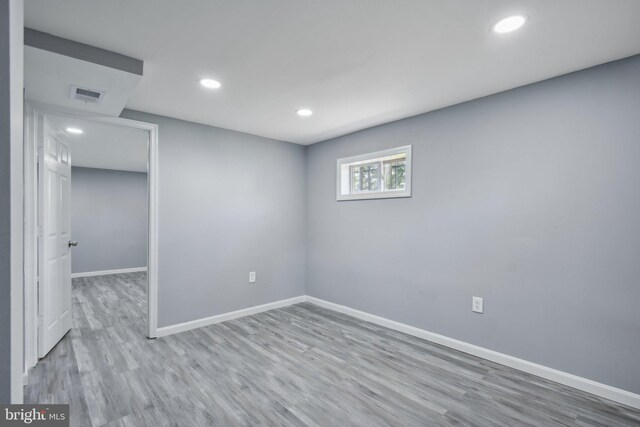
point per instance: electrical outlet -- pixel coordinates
(252, 277)
(477, 305)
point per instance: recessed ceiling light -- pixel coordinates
(304, 112)
(509, 24)
(210, 83)
(75, 130)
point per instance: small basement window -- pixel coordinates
(380, 175)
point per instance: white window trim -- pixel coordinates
(364, 158)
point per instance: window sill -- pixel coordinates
(373, 195)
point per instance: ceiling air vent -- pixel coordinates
(86, 95)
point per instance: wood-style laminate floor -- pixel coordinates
(300, 365)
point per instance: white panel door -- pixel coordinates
(54, 292)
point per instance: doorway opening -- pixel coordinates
(90, 226)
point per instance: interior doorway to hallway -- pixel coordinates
(90, 219)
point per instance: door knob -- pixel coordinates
(73, 243)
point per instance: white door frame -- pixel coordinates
(31, 220)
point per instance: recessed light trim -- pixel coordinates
(76, 131)
(210, 83)
(304, 112)
(509, 24)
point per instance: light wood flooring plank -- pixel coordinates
(297, 366)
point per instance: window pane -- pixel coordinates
(365, 177)
(394, 174)
(383, 174)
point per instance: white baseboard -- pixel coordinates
(593, 387)
(105, 272)
(612, 393)
(181, 327)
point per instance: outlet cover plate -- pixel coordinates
(477, 305)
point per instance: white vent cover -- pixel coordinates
(86, 95)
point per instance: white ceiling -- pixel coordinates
(105, 146)
(48, 78)
(356, 63)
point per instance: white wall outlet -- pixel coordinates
(252, 277)
(477, 305)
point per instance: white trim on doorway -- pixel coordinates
(153, 174)
(105, 272)
(31, 230)
(30, 264)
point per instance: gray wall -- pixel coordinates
(529, 198)
(229, 203)
(11, 201)
(5, 206)
(109, 219)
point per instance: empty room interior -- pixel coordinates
(322, 213)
